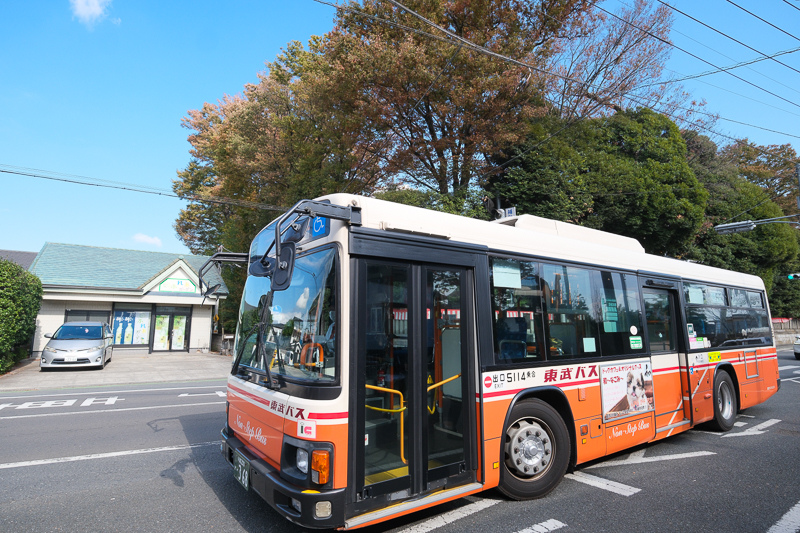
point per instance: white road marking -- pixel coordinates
(605, 484)
(447, 518)
(755, 430)
(39, 462)
(111, 410)
(789, 523)
(788, 367)
(638, 457)
(221, 394)
(739, 424)
(544, 527)
(107, 392)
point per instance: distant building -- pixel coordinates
(152, 300)
(23, 259)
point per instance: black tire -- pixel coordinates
(536, 451)
(797, 356)
(724, 402)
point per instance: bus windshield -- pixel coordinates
(294, 330)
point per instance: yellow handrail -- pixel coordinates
(448, 380)
(402, 420)
(432, 410)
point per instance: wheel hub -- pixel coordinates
(528, 449)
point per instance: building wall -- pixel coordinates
(51, 315)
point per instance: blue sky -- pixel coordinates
(97, 89)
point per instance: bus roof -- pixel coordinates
(530, 235)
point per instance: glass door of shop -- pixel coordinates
(171, 329)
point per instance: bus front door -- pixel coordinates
(670, 377)
(415, 339)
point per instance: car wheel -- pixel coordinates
(797, 356)
(536, 451)
(724, 402)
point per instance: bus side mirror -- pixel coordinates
(284, 267)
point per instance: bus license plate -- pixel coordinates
(241, 469)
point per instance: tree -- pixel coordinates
(626, 174)
(616, 61)
(764, 251)
(20, 299)
(784, 299)
(770, 167)
(435, 109)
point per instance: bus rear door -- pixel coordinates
(670, 377)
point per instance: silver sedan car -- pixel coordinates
(78, 344)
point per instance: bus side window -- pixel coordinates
(517, 311)
(571, 312)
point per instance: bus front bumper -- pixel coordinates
(296, 504)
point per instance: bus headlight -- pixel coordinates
(301, 460)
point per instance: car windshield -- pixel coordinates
(67, 332)
(298, 331)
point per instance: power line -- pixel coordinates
(770, 78)
(728, 72)
(478, 48)
(791, 4)
(726, 35)
(82, 180)
(764, 21)
(730, 67)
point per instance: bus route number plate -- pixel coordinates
(241, 469)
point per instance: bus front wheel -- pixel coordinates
(536, 451)
(724, 402)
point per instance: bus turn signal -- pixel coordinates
(320, 466)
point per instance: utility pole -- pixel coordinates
(797, 173)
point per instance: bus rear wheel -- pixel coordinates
(724, 402)
(536, 451)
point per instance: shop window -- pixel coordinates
(80, 315)
(131, 324)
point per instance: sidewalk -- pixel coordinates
(125, 367)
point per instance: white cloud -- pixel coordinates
(141, 237)
(89, 11)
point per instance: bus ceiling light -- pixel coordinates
(320, 466)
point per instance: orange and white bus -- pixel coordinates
(390, 358)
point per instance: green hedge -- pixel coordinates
(20, 300)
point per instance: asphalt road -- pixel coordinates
(121, 457)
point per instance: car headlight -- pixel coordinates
(93, 348)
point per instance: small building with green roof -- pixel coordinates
(151, 300)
